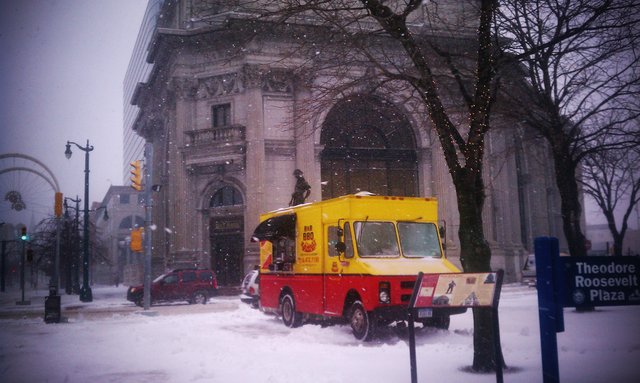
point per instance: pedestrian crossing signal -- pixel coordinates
(136, 240)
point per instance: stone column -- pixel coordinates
(255, 155)
(306, 160)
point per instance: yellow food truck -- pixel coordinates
(355, 257)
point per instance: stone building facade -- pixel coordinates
(221, 118)
(121, 210)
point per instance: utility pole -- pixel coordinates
(3, 266)
(24, 237)
(148, 201)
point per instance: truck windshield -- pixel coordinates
(376, 239)
(419, 239)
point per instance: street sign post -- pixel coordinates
(461, 290)
(577, 282)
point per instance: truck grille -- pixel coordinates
(407, 285)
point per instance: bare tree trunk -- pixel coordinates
(475, 257)
(571, 208)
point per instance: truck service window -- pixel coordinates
(376, 239)
(419, 239)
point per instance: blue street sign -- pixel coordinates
(601, 281)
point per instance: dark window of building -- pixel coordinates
(124, 199)
(221, 115)
(369, 146)
(226, 196)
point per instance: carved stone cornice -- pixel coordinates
(278, 81)
(224, 84)
(187, 88)
(272, 80)
(252, 75)
(184, 87)
(269, 80)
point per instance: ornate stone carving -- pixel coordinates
(184, 87)
(279, 81)
(252, 75)
(191, 88)
(218, 85)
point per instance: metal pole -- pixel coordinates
(412, 347)
(22, 271)
(22, 302)
(75, 277)
(148, 168)
(56, 267)
(546, 249)
(3, 267)
(85, 292)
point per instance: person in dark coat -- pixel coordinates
(301, 191)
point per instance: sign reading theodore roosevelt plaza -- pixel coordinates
(601, 281)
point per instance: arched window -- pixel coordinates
(368, 146)
(226, 196)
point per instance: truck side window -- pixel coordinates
(284, 250)
(333, 238)
(348, 253)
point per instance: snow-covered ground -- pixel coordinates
(108, 340)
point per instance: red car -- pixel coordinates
(191, 285)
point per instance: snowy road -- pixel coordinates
(227, 341)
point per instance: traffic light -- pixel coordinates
(136, 240)
(57, 209)
(23, 233)
(136, 178)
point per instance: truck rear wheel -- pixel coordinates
(290, 317)
(362, 323)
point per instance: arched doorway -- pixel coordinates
(226, 233)
(368, 146)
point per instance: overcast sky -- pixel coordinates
(62, 66)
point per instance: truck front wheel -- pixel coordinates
(362, 323)
(290, 317)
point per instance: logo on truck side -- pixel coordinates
(308, 243)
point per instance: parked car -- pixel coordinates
(529, 269)
(191, 285)
(251, 288)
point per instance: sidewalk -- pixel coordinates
(107, 301)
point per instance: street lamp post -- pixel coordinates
(85, 291)
(73, 286)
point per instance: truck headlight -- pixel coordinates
(384, 292)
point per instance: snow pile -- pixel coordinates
(227, 341)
